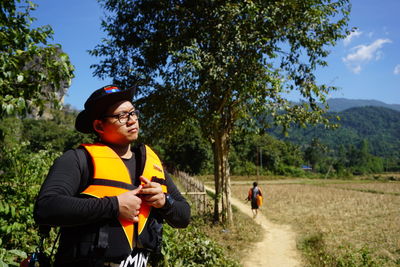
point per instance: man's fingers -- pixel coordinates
(145, 180)
(137, 190)
(149, 190)
(150, 198)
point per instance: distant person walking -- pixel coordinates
(255, 196)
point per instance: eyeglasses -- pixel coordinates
(123, 117)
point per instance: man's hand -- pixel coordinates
(129, 205)
(152, 193)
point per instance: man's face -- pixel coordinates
(118, 127)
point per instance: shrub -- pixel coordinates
(244, 168)
(23, 173)
(190, 247)
(290, 171)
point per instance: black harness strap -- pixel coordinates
(158, 180)
(102, 246)
(113, 183)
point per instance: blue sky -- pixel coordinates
(366, 65)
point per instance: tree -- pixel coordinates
(33, 73)
(184, 150)
(341, 161)
(220, 63)
(361, 161)
(315, 153)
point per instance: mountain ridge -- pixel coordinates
(341, 104)
(379, 125)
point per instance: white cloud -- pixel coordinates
(350, 37)
(356, 69)
(397, 69)
(363, 54)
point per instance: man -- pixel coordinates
(255, 196)
(109, 198)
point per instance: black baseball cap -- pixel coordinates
(97, 104)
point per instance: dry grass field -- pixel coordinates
(382, 188)
(338, 224)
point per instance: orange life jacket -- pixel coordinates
(259, 198)
(111, 178)
(250, 193)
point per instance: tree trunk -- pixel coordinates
(222, 178)
(217, 182)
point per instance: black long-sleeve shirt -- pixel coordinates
(59, 202)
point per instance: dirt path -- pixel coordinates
(278, 246)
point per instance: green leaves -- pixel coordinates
(7, 209)
(9, 257)
(190, 247)
(32, 73)
(22, 173)
(10, 104)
